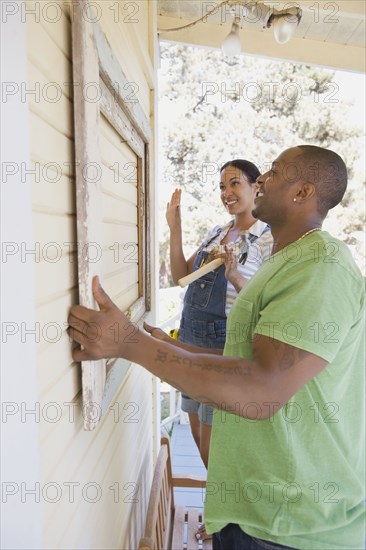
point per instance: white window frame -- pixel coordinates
(95, 65)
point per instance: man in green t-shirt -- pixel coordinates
(286, 465)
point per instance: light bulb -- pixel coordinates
(284, 27)
(232, 45)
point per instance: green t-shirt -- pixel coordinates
(297, 478)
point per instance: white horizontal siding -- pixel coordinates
(53, 192)
(117, 446)
(126, 30)
(119, 218)
(117, 452)
(129, 236)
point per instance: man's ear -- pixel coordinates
(306, 192)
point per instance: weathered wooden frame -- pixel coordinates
(95, 63)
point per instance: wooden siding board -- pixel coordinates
(57, 240)
(52, 401)
(129, 489)
(68, 447)
(60, 442)
(54, 197)
(74, 465)
(123, 299)
(122, 250)
(64, 448)
(120, 513)
(56, 22)
(128, 235)
(139, 36)
(50, 278)
(52, 373)
(123, 170)
(112, 73)
(49, 146)
(120, 178)
(120, 262)
(121, 281)
(117, 212)
(119, 32)
(120, 185)
(56, 311)
(50, 102)
(56, 66)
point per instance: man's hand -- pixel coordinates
(102, 334)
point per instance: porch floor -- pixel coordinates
(186, 460)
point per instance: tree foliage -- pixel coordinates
(214, 108)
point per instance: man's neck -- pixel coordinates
(285, 237)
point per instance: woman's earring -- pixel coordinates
(295, 199)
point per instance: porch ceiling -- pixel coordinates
(330, 34)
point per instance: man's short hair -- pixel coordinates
(327, 171)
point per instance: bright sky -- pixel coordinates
(352, 88)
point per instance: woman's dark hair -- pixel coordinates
(248, 168)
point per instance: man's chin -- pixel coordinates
(258, 216)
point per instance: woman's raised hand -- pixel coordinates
(173, 216)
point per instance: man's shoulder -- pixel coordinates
(319, 261)
(326, 252)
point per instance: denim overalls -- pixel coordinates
(203, 320)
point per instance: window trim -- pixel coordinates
(96, 67)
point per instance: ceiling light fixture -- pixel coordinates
(232, 45)
(284, 25)
(284, 22)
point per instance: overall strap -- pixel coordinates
(252, 238)
(206, 242)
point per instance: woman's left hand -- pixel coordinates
(231, 269)
(231, 263)
(157, 333)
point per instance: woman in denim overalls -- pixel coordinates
(203, 321)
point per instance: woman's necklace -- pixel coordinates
(308, 233)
